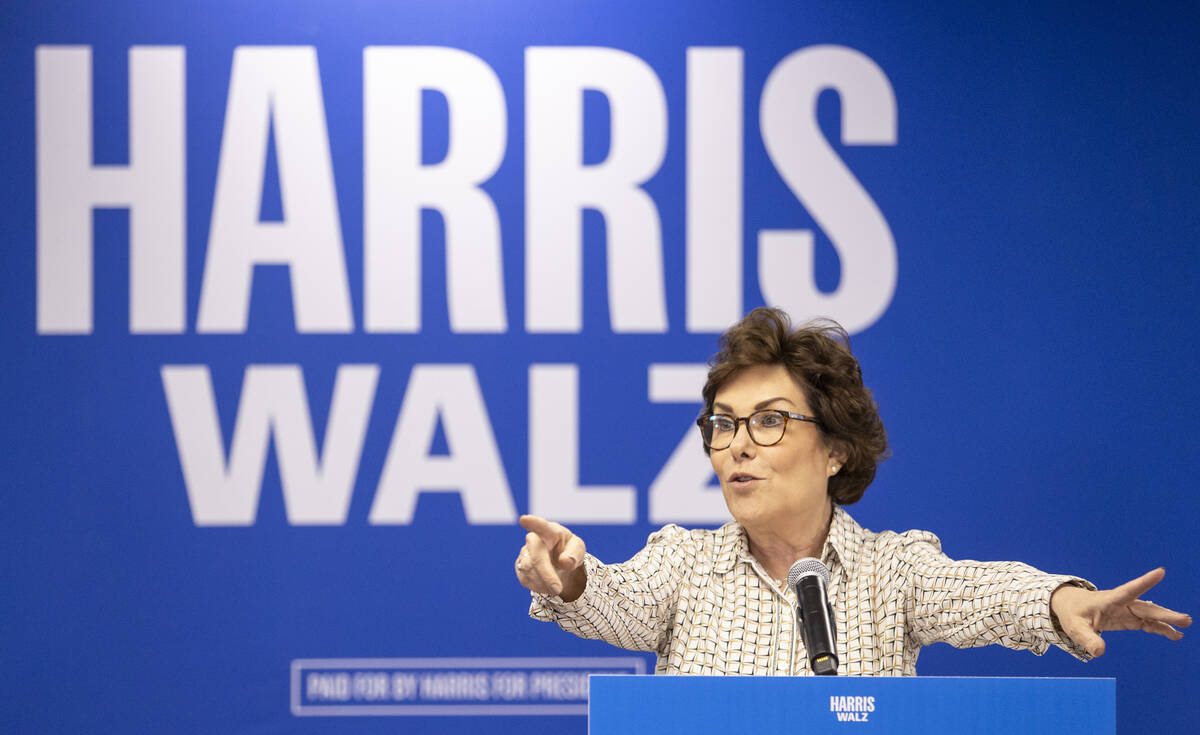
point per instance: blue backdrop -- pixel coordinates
(303, 302)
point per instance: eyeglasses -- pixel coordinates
(765, 427)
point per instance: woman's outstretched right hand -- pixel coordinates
(551, 562)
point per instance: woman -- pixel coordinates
(793, 436)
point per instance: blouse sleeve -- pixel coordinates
(972, 603)
(630, 605)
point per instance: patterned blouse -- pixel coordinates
(706, 606)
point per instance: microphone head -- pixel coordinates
(806, 566)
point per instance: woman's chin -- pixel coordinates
(746, 514)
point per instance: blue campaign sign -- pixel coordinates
(825, 704)
(304, 303)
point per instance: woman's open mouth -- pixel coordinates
(742, 480)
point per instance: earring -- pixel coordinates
(833, 470)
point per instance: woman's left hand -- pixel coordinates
(1084, 614)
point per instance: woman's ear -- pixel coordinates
(837, 458)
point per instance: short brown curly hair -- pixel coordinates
(817, 355)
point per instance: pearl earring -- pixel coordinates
(833, 470)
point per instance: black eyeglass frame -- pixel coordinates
(737, 422)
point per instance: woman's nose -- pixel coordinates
(742, 445)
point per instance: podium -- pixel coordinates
(695, 705)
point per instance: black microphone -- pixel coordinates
(810, 579)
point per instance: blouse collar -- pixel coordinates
(840, 552)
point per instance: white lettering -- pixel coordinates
(558, 685)
(714, 188)
(509, 685)
(275, 88)
(404, 686)
(554, 489)
(826, 187)
(69, 186)
(472, 469)
(852, 704)
(327, 687)
(558, 187)
(683, 491)
(455, 686)
(370, 686)
(273, 404)
(396, 187)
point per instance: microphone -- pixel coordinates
(810, 579)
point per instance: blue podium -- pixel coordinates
(693, 705)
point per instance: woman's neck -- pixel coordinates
(777, 549)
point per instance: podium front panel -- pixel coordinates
(694, 705)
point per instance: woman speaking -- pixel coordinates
(794, 437)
